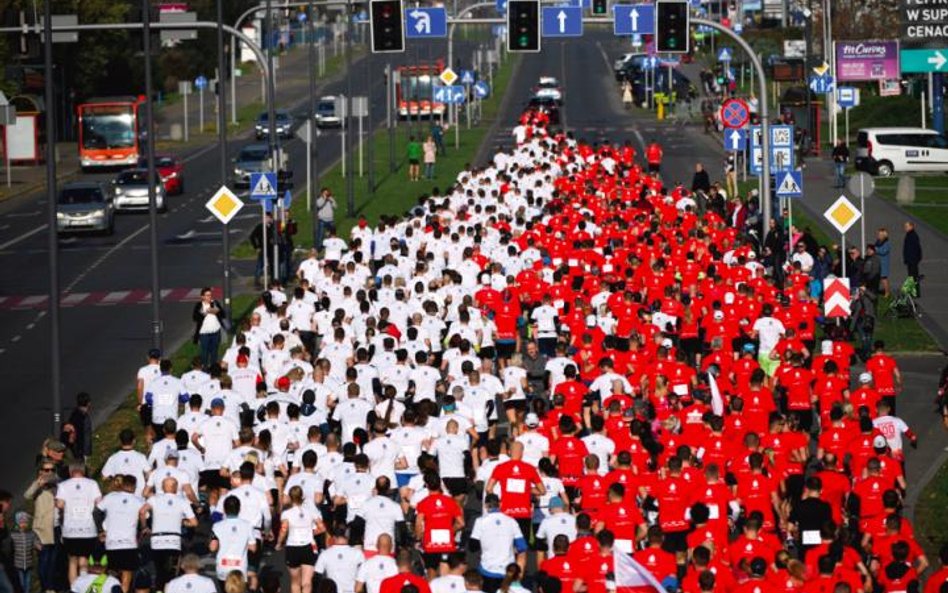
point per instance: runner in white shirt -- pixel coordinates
(215, 438)
(165, 394)
(544, 325)
(127, 462)
(382, 515)
(171, 470)
(352, 412)
(190, 580)
(340, 562)
(77, 497)
(297, 526)
(377, 568)
(558, 522)
(168, 512)
(453, 581)
(121, 509)
(232, 539)
(146, 374)
(892, 428)
(452, 449)
(535, 444)
(499, 539)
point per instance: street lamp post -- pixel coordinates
(311, 114)
(222, 140)
(156, 328)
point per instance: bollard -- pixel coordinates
(905, 191)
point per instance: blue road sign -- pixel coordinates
(263, 186)
(426, 22)
(562, 21)
(499, 30)
(822, 85)
(724, 55)
(468, 77)
(502, 6)
(481, 89)
(301, 17)
(634, 18)
(287, 199)
(735, 140)
(200, 82)
(453, 94)
(781, 160)
(790, 185)
(846, 96)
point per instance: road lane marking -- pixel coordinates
(23, 237)
(82, 276)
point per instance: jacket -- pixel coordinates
(198, 316)
(911, 248)
(883, 249)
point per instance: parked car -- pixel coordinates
(624, 60)
(253, 158)
(130, 190)
(284, 124)
(326, 116)
(883, 151)
(170, 169)
(85, 206)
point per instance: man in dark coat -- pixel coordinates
(912, 253)
(701, 181)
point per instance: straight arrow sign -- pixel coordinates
(634, 14)
(735, 140)
(561, 18)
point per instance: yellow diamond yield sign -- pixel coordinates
(843, 214)
(224, 204)
(821, 69)
(448, 76)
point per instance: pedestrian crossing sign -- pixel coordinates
(791, 185)
(224, 204)
(263, 186)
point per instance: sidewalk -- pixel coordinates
(819, 195)
(291, 83)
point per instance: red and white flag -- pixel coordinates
(632, 577)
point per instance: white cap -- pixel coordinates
(718, 315)
(590, 321)
(865, 377)
(485, 279)
(728, 298)
(826, 347)
(667, 343)
(532, 420)
(879, 442)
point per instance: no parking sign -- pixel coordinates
(735, 113)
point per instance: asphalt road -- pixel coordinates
(104, 338)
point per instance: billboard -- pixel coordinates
(867, 60)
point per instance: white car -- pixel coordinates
(548, 88)
(884, 151)
(326, 116)
(131, 191)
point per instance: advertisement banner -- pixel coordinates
(867, 60)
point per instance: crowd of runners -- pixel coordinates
(554, 364)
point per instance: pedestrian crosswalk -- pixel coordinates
(104, 298)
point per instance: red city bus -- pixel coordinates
(109, 132)
(414, 88)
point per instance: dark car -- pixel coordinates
(547, 105)
(283, 123)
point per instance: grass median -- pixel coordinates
(393, 193)
(931, 198)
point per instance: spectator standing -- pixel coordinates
(883, 250)
(257, 241)
(42, 492)
(78, 429)
(701, 181)
(730, 173)
(912, 254)
(208, 322)
(864, 319)
(326, 215)
(24, 544)
(872, 268)
(414, 153)
(431, 154)
(840, 160)
(437, 133)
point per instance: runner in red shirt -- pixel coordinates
(518, 481)
(653, 155)
(660, 563)
(439, 520)
(885, 372)
(568, 453)
(560, 566)
(405, 576)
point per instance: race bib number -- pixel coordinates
(811, 537)
(165, 399)
(714, 511)
(624, 545)
(166, 542)
(516, 486)
(440, 537)
(232, 562)
(78, 512)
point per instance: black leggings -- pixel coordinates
(166, 566)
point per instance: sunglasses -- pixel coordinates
(46, 469)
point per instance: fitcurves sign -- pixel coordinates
(867, 60)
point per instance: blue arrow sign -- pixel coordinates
(634, 18)
(562, 21)
(426, 22)
(263, 186)
(724, 55)
(502, 6)
(481, 89)
(822, 85)
(790, 185)
(735, 140)
(449, 94)
(200, 82)
(467, 77)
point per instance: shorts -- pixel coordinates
(675, 541)
(654, 167)
(413, 161)
(212, 478)
(457, 486)
(124, 560)
(432, 560)
(488, 353)
(297, 556)
(516, 404)
(144, 414)
(254, 558)
(505, 348)
(403, 479)
(80, 546)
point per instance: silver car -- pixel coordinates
(253, 158)
(85, 206)
(130, 190)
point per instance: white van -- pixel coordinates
(883, 151)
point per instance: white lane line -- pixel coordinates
(23, 237)
(15, 339)
(104, 256)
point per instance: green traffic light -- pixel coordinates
(523, 41)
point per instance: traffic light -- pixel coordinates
(387, 26)
(523, 25)
(671, 26)
(600, 6)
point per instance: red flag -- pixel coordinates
(632, 577)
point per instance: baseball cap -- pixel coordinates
(718, 315)
(154, 353)
(865, 377)
(667, 343)
(557, 503)
(749, 347)
(56, 446)
(590, 321)
(532, 420)
(242, 359)
(217, 402)
(283, 383)
(879, 442)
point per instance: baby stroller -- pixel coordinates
(903, 305)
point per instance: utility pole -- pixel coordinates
(222, 150)
(156, 329)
